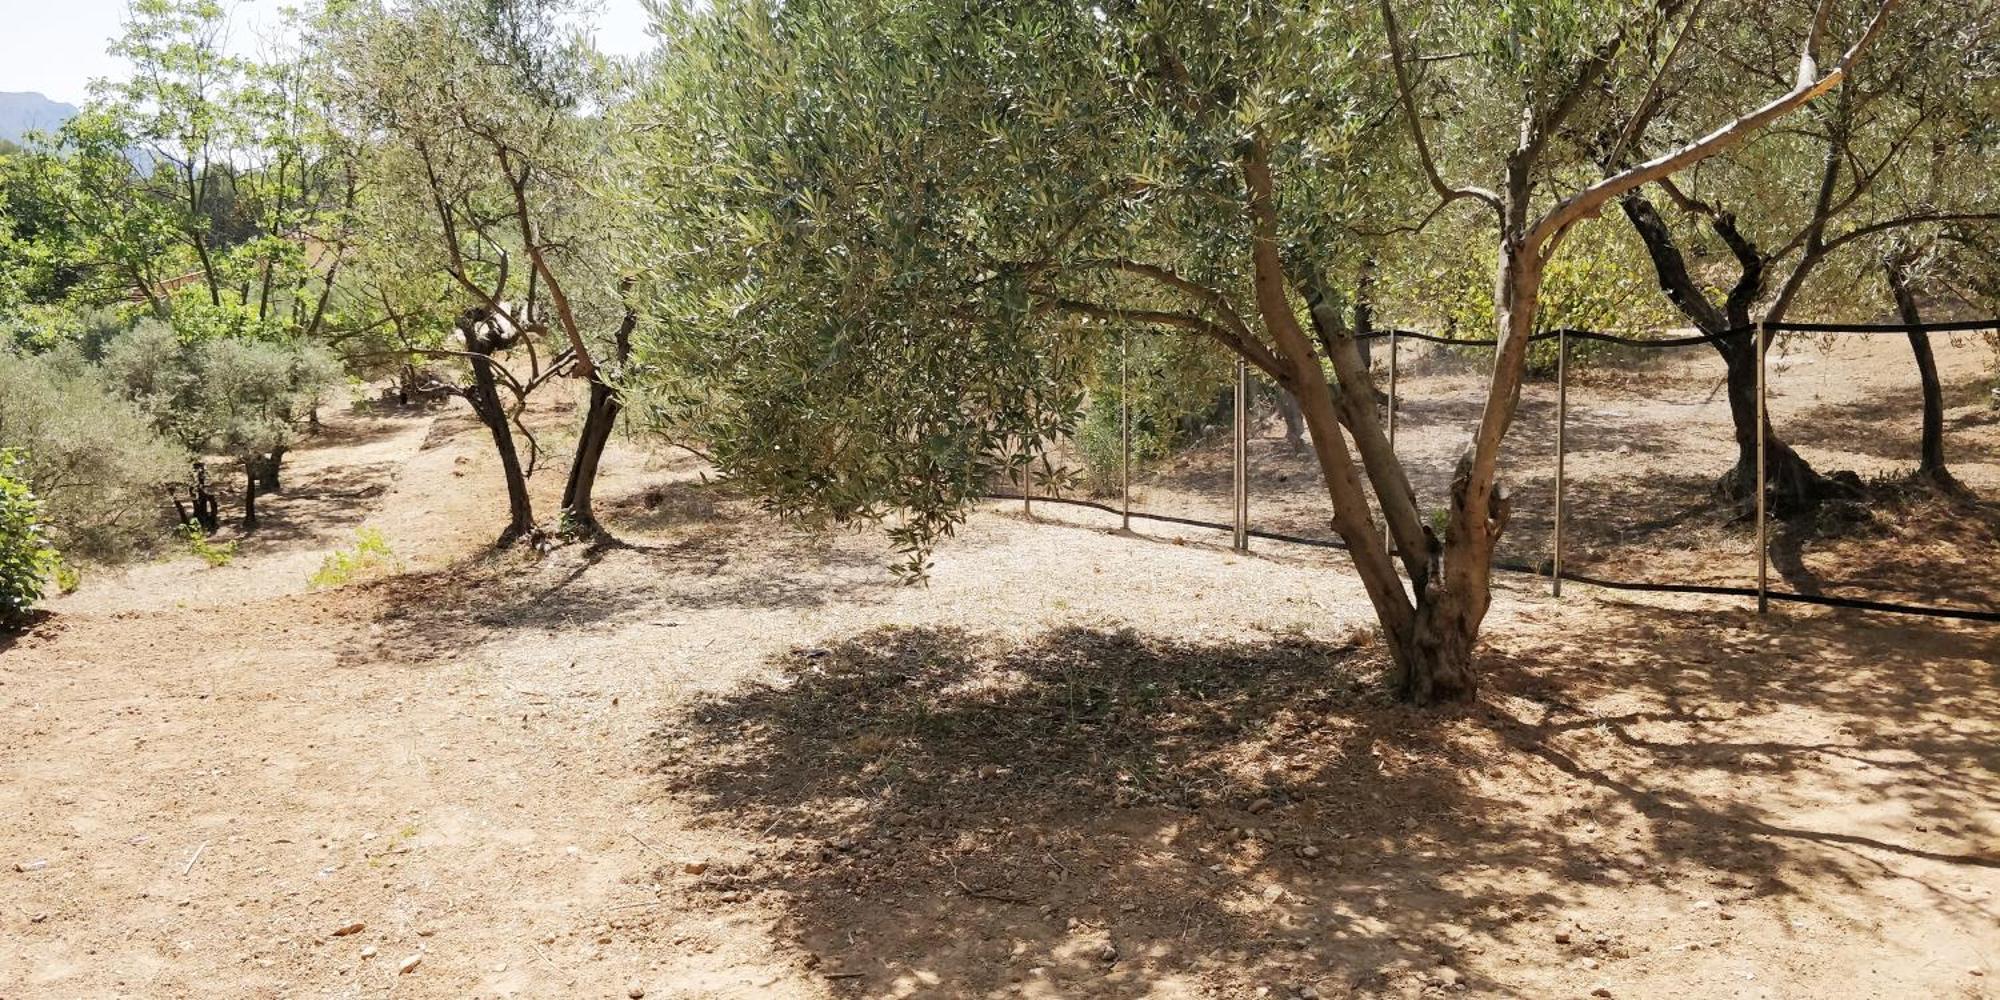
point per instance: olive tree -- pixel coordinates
(1804, 216)
(484, 128)
(92, 457)
(883, 259)
(235, 397)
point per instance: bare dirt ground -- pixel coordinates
(721, 757)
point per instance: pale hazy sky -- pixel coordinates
(57, 46)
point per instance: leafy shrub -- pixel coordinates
(92, 458)
(215, 554)
(370, 556)
(232, 396)
(26, 558)
(1172, 382)
(1601, 281)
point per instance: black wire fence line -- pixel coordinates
(1861, 329)
(1526, 569)
(1552, 569)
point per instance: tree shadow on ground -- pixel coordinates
(1890, 427)
(1907, 537)
(314, 504)
(1096, 811)
(1789, 712)
(725, 558)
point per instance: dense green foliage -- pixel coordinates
(905, 277)
(93, 457)
(27, 559)
(228, 396)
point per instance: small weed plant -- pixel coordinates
(215, 554)
(369, 556)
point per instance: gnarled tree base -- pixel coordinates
(1435, 666)
(1792, 485)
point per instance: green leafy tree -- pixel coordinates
(1564, 76)
(484, 124)
(889, 257)
(177, 106)
(240, 398)
(1804, 216)
(100, 222)
(92, 457)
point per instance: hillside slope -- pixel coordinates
(28, 111)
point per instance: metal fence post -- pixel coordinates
(1241, 542)
(1027, 481)
(1562, 421)
(1763, 522)
(1124, 433)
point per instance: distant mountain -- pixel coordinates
(31, 112)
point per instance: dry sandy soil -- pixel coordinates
(720, 757)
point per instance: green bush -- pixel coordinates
(91, 457)
(26, 558)
(230, 396)
(1171, 381)
(1601, 281)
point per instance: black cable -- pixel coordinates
(1864, 329)
(1510, 566)
(1959, 326)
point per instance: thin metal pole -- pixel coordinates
(1562, 421)
(1242, 540)
(1388, 540)
(1027, 481)
(1124, 433)
(1763, 523)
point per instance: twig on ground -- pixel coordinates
(633, 906)
(655, 850)
(192, 858)
(544, 956)
(998, 897)
(1052, 860)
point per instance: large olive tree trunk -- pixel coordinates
(1430, 626)
(1931, 464)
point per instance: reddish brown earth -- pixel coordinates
(725, 758)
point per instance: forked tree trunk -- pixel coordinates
(598, 423)
(1453, 601)
(1792, 483)
(485, 400)
(1429, 627)
(1930, 464)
